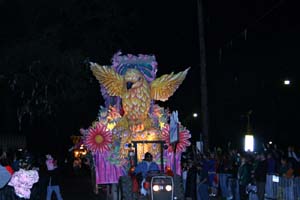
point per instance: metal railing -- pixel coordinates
(282, 188)
(276, 188)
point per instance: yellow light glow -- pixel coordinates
(161, 125)
(111, 126)
(76, 154)
(151, 137)
(84, 152)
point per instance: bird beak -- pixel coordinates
(129, 85)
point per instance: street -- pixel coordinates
(79, 188)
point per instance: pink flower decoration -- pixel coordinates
(184, 136)
(98, 139)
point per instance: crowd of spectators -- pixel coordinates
(226, 173)
(25, 176)
(236, 175)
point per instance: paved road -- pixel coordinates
(79, 188)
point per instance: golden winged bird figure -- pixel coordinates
(136, 93)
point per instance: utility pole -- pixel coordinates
(249, 129)
(204, 105)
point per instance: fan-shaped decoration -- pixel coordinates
(184, 136)
(146, 64)
(98, 139)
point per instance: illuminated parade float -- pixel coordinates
(131, 123)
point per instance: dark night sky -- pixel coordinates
(252, 46)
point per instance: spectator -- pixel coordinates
(292, 154)
(225, 171)
(191, 190)
(53, 178)
(184, 175)
(4, 177)
(77, 166)
(16, 161)
(23, 180)
(5, 162)
(50, 163)
(283, 166)
(244, 177)
(260, 176)
(202, 183)
(212, 174)
(271, 164)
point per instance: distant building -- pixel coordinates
(12, 142)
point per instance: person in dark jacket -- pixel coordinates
(244, 177)
(53, 178)
(191, 181)
(260, 175)
(202, 183)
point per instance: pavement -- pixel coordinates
(79, 187)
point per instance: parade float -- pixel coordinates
(131, 122)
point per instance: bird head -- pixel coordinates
(133, 79)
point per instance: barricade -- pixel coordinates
(281, 188)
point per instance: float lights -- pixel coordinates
(155, 188)
(195, 115)
(249, 143)
(168, 188)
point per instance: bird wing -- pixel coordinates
(165, 86)
(111, 80)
